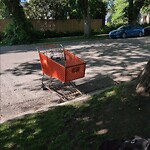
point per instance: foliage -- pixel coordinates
(15, 34)
(119, 15)
(107, 28)
(73, 10)
(55, 34)
(1, 36)
(1, 9)
(46, 9)
(20, 29)
(146, 6)
(118, 113)
(63, 9)
(128, 10)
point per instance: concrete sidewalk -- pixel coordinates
(107, 62)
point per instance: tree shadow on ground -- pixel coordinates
(107, 61)
(18, 48)
(98, 82)
(111, 57)
(25, 68)
(121, 59)
(115, 114)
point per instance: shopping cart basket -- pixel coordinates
(59, 63)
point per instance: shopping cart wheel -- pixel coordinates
(44, 87)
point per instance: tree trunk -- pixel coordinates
(87, 26)
(86, 18)
(143, 86)
(130, 12)
(134, 10)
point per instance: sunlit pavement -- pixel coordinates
(121, 59)
(107, 61)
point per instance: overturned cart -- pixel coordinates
(59, 63)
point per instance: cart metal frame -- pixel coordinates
(61, 64)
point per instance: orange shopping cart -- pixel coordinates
(61, 64)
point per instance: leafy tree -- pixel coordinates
(1, 9)
(127, 11)
(120, 14)
(3, 12)
(146, 6)
(63, 9)
(134, 8)
(37, 9)
(73, 9)
(19, 30)
(97, 9)
(46, 9)
(91, 8)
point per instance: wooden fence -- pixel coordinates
(70, 25)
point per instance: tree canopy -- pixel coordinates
(64, 9)
(120, 13)
(127, 11)
(2, 10)
(20, 29)
(146, 6)
(46, 9)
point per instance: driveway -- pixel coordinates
(108, 62)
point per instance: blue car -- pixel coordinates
(127, 31)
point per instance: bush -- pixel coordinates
(1, 36)
(14, 34)
(17, 34)
(54, 34)
(106, 29)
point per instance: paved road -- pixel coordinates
(107, 62)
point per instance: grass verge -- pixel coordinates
(66, 39)
(117, 113)
(73, 38)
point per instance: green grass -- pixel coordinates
(117, 113)
(73, 38)
(65, 39)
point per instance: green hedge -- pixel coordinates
(107, 28)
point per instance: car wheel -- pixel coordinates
(124, 36)
(140, 34)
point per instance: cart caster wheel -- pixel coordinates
(44, 87)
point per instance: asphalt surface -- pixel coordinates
(108, 62)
